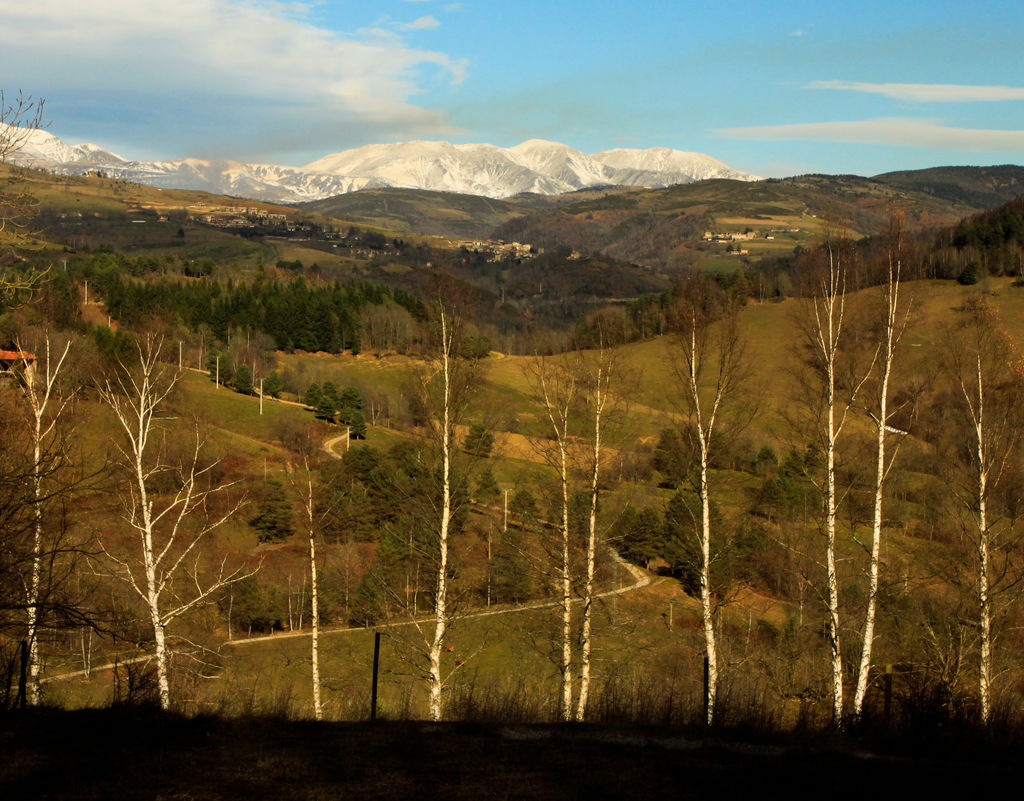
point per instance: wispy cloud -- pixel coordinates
(264, 57)
(926, 92)
(426, 23)
(886, 131)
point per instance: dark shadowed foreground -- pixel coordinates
(142, 754)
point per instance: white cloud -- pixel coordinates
(926, 92)
(198, 56)
(887, 131)
(429, 22)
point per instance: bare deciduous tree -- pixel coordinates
(598, 373)
(709, 363)
(47, 402)
(557, 387)
(314, 511)
(988, 379)
(441, 391)
(164, 570)
(838, 389)
(893, 325)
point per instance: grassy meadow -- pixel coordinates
(648, 644)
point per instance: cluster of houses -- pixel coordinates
(498, 250)
(238, 216)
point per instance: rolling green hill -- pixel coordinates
(663, 228)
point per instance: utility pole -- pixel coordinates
(504, 524)
(261, 396)
(217, 381)
(179, 355)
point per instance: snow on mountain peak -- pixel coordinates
(536, 165)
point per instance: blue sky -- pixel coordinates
(774, 88)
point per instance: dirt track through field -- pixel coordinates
(641, 579)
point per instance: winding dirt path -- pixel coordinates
(641, 578)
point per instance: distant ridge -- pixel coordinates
(979, 187)
(535, 166)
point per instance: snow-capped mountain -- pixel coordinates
(478, 169)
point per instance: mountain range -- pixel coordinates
(535, 166)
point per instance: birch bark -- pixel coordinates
(40, 391)
(447, 356)
(829, 307)
(711, 370)
(599, 377)
(558, 397)
(893, 330)
(166, 536)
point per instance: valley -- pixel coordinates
(303, 356)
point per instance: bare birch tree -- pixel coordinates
(557, 387)
(442, 390)
(164, 569)
(989, 383)
(838, 394)
(47, 402)
(312, 519)
(598, 369)
(709, 364)
(893, 324)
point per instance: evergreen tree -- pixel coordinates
(511, 581)
(350, 398)
(273, 385)
(328, 404)
(313, 396)
(357, 426)
(487, 489)
(523, 506)
(273, 519)
(478, 441)
(242, 381)
(219, 364)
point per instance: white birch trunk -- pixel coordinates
(134, 403)
(565, 577)
(713, 354)
(556, 406)
(695, 359)
(39, 396)
(314, 598)
(139, 439)
(441, 591)
(832, 578)
(35, 581)
(588, 582)
(881, 469)
(828, 311)
(601, 376)
(864, 669)
(984, 602)
(706, 606)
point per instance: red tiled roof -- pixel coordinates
(16, 355)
